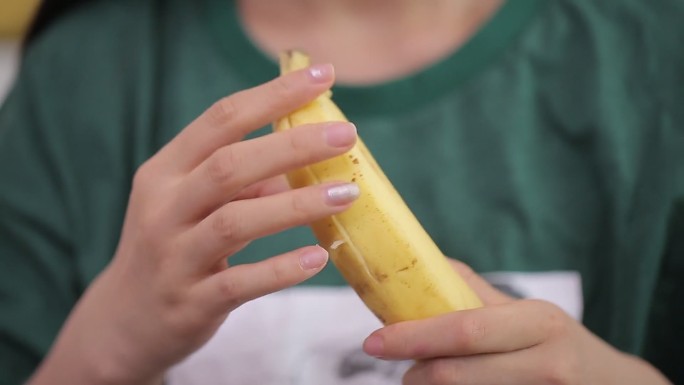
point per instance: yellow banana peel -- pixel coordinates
(378, 245)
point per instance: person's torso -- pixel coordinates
(541, 154)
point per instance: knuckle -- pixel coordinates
(281, 87)
(562, 372)
(406, 345)
(470, 332)
(223, 111)
(465, 271)
(171, 316)
(303, 146)
(230, 292)
(226, 227)
(152, 227)
(222, 166)
(300, 206)
(299, 142)
(279, 273)
(142, 177)
(172, 300)
(555, 320)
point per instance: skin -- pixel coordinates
(208, 193)
(369, 41)
(507, 341)
(203, 197)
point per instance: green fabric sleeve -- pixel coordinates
(564, 153)
(37, 287)
(66, 139)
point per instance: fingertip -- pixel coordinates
(340, 134)
(374, 345)
(313, 258)
(322, 73)
(342, 194)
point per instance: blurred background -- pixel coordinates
(15, 17)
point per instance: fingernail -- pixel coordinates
(340, 134)
(342, 194)
(321, 73)
(374, 346)
(313, 258)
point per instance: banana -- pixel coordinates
(377, 245)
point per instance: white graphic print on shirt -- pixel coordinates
(313, 336)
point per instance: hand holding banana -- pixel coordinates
(203, 197)
(400, 274)
(506, 342)
(208, 193)
(378, 245)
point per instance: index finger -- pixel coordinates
(231, 118)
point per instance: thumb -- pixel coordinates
(487, 293)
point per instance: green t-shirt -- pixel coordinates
(552, 141)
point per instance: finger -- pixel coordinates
(515, 368)
(225, 173)
(236, 285)
(242, 221)
(270, 186)
(487, 293)
(493, 329)
(229, 119)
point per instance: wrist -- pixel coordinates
(83, 355)
(64, 368)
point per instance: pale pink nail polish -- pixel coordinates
(321, 73)
(340, 134)
(313, 258)
(342, 194)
